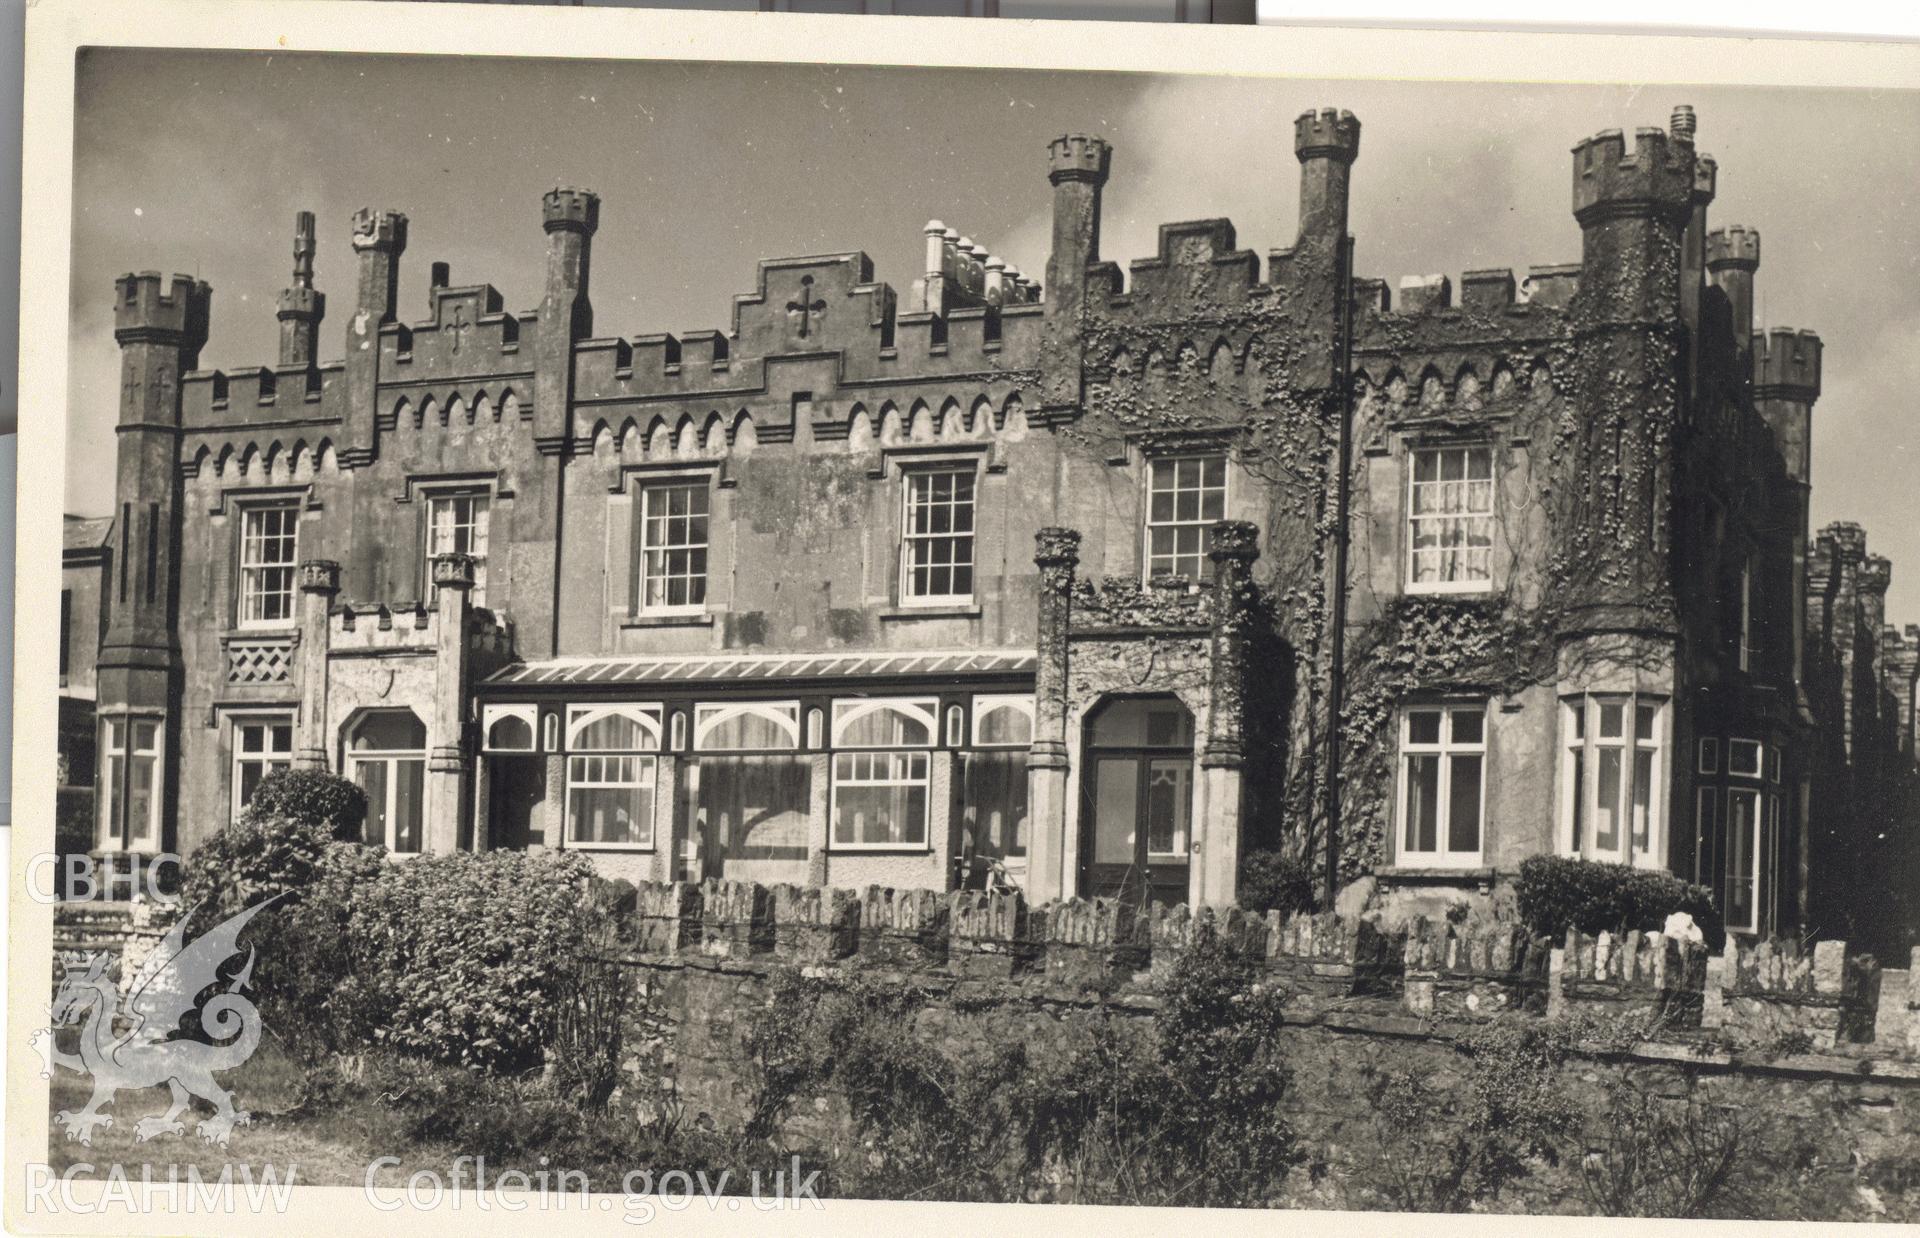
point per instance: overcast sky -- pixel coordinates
(196, 162)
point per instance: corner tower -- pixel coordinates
(1613, 536)
(160, 328)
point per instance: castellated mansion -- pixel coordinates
(1097, 580)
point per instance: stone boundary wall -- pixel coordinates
(1775, 996)
(128, 931)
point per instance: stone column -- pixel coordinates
(553, 808)
(1214, 876)
(319, 582)
(819, 817)
(1057, 554)
(446, 756)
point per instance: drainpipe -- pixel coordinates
(1337, 658)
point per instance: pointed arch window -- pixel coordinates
(611, 775)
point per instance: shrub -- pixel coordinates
(1187, 1111)
(249, 862)
(1555, 893)
(1659, 1157)
(591, 1016)
(304, 981)
(1194, 1116)
(464, 958)
(311, 797)
(1271, 881)
(1434, 1149)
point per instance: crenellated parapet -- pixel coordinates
(148, 308)
(1752, 996)
(1655, 179)
(1786, 365)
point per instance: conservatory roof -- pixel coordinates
(774, 667)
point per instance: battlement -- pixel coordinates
(302, 303)
(1752, 995)
(1876, 573)
(147, 309)
(1734, 247)
(1078, 157)
(1493, 288)
(1326, 134)
(1656, 179)
(1706, 179)
(384, 231)
(1787, 362)
(1846, 541)
(571, 210)
(1421, 294)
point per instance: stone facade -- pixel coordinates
(1005, 583)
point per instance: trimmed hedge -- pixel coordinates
(1555, 893)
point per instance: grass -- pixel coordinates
(320, 1146)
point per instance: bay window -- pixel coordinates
(1611, 776)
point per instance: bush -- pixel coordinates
(1188, 1111)
(304, 978)
(1192, 1116)
(465, 958)
(591, 1018)
(301, 948)
(247, 863)
(310, 797)
(1270, 881)
(1660, 1157)
(1556, 893)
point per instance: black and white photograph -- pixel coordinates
(653, 632)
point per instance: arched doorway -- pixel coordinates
(1136, 800)
(387, 756)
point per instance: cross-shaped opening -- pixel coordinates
(458, 324)
(806, 307)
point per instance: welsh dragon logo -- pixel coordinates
(132, 1048)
